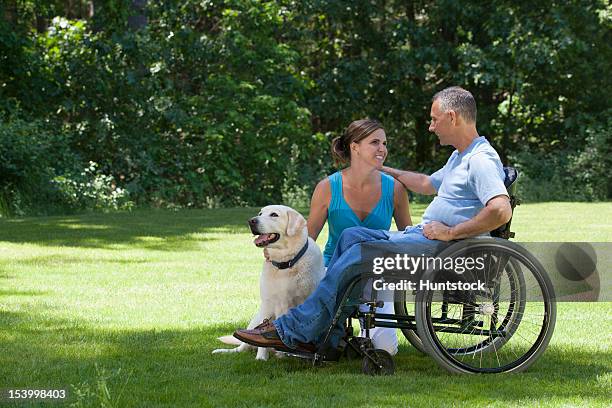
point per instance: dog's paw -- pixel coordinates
(280, 354)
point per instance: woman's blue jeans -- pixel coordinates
(309, 322)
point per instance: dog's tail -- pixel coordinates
(231, 340)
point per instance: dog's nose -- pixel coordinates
(253, 221)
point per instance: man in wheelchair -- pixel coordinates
(471, 200)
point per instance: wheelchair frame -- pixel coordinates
(442, 335)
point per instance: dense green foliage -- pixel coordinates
(235, 102)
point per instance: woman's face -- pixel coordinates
(371, 150)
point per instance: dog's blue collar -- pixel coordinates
(289, 264)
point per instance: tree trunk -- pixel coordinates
(90, 9)
(10, 12)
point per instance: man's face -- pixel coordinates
(441, 124)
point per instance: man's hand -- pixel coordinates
(437, 230)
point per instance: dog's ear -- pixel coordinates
(295, 222)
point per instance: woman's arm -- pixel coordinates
(401, 208)
(318, 208)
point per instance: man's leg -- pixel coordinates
(412, 242)
(307, 322)
(385, 337)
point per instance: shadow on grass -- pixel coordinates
(55, 260)
(176, 368)
(4, 292)
(162, 230)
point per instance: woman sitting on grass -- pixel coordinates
(360, 195)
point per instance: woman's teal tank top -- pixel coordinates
(340, 216)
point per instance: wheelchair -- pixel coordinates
(503, 326)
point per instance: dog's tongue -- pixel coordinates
(261, 239)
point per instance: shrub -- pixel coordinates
(39, 174)
(27, 156)
(582, 174)
(92, 190)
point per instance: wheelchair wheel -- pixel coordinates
(503, 327)
(508, 314)
(414, 339)
(378, 362)
(405, 307)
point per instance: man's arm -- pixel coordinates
(496, 213)
(417, 182)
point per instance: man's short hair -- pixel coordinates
(459, 100)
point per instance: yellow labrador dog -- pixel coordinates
(293, 271)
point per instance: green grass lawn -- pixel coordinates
(124, 310)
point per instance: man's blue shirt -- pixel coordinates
(465, 184)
